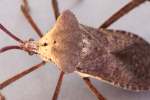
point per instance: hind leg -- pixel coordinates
(123, 11)
(93, 89)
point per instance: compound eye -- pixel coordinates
(45, 44)
(54, 42)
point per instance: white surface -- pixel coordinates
(40, 84)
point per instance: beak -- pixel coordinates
(30, 46)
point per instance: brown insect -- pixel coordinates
(117, 57)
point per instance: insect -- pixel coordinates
(117, 57)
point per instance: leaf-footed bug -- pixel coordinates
(116, 57)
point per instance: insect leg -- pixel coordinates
(25, 11)
(20, 75)
(4, 49)
(93, 89)
(10, 34)
(2, 97)
(55, 8)
(58, 86)
(124, 10)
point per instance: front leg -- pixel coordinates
(25, 10)
(20, 75)
(55, 9)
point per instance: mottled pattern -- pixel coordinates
(117, 57)
(122, 59)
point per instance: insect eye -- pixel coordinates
(54, 42)
(45, 44)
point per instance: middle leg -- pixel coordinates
(58, 86)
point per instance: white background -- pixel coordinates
(40, 84)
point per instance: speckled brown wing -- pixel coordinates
(122, 59)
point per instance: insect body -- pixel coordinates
(117, 57)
